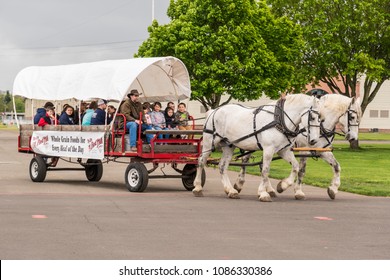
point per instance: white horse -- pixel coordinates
(272, 128)
(338, 110)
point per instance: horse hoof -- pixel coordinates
(197, 193)
(331, 193)
(300, 197)
(272, 194)
(237, 188)
(279, 187)
(265, 199)
(233, 195)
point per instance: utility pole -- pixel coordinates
(152, 10)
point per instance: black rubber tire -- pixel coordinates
(38, 169)
(136, 177)
(190, 170)
(94, 172)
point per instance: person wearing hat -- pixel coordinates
(99, 116)
(41, 112)
(132, 109)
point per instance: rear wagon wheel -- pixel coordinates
(136, 177)
(38, 169)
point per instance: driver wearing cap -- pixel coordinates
(131, 109)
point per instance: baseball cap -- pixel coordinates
(101, 102)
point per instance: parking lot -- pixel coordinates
(67, 217)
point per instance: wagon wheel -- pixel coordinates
(136, 177)
(94, 170)
(189, 174)
(38, 169)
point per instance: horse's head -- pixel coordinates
(311, 120)
(350, 120)
(343, 111)
(303, 111)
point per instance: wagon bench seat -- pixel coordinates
(174, 132)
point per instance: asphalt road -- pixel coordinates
(67, 217)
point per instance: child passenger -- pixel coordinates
(158, 119)
(41, 112)
(67, 115)
(49, 118)
(182, 117)
(170, 119)
(146, 109)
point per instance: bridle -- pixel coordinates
(329, 134)
(350, 112)
(311, 118)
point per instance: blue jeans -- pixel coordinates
(161, 136)
(132, 128)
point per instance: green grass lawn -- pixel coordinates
(365, 171)
(374, 136)
(8, 127)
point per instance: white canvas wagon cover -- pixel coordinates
(157, 78)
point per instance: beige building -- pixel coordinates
(377, 114)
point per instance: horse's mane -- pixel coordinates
(298, 98)
(338, 102)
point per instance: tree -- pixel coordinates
(20, 104)
(232, 47)
(345, 40)
(6, 104)
(7, 97)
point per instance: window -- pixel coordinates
(373, 113)
(384, 113)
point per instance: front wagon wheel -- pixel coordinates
(94, 170)
(189, 175)
(38, 169)
(136, 177)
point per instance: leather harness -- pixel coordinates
(278, 122)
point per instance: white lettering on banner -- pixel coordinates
(79, 144)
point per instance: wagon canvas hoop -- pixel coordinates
(157, 78)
